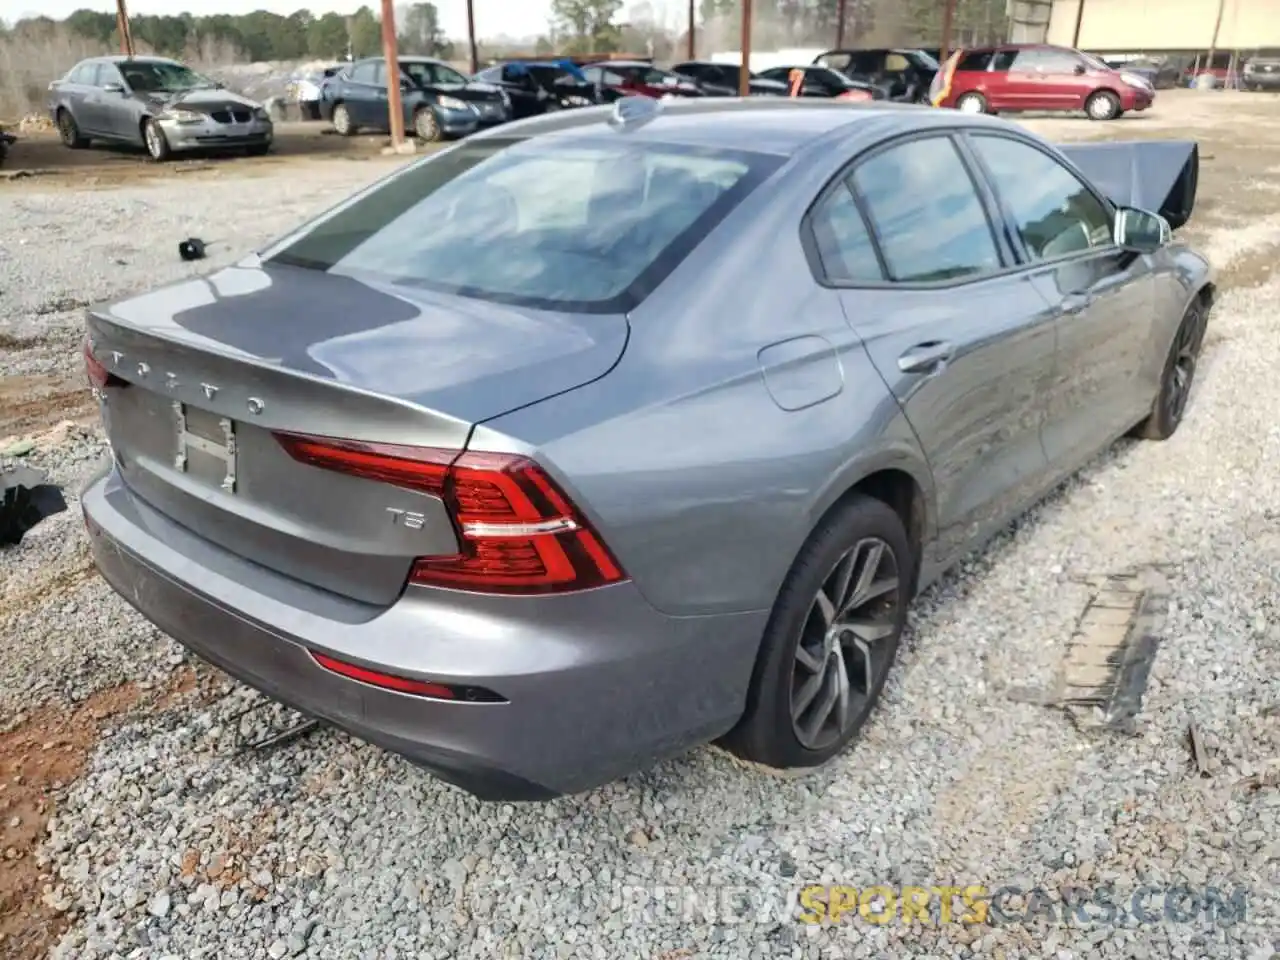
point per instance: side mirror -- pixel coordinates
(1141, 230)
(1079, 69)
(113, 87)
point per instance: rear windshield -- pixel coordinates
(590, 226)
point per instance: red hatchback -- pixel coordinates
(1037, 77)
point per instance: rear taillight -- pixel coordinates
(99, 376)
(519, 532)
(857, 95)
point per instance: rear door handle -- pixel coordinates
(928, 357)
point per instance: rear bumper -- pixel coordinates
(598, 684)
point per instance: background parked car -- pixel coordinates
(438, 101)
(721, 79)
(1262, 71)
(620, 78)
(825, 82)
(539, 87)
(6, 141)
(904, 74)
(155, 103)
(1038, 77)
(306, 89)
(1162, 73)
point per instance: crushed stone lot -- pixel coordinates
(131, 825)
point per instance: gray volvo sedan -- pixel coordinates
(611, 432)
(157, 104)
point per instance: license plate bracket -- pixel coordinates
(218, 443)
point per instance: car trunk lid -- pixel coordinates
(208, 371)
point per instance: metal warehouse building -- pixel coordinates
(1165, 25)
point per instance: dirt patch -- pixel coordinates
(9, 342)
(1252, 269)
(37, 402)
(54, 584)
(39, 757)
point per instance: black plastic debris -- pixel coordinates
(27, 499)
(192, 248)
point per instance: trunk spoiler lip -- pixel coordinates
(1156, 175)
(100, 319)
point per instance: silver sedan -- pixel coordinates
(157, 104)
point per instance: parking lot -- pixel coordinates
(133, 821)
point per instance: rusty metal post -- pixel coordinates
(122, 27)
(1075, 36)
(693, 44)
(395, 106)
(1213, 44)
(744, 75)
(840, 12)
(471, 36)
(948, 14)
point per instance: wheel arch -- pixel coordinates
(897, 477)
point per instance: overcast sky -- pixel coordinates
(513, 18)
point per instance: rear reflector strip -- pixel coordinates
(417, 688)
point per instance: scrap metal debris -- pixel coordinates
(1199, 756)
(192, 248)
(26, 498)
(1103, 675)
(282, 724)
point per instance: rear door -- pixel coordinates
(965, 344)
(1024, 84)
(81, 97)
(1103, 298)
(366, 100)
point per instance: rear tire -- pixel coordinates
(154, 140)
(342, 124)
(1103, 105)
(972, 103)
(1177, 378)
(831, 639)
(69, 131)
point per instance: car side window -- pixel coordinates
(1003, 61)
(843, 241)
(380, 74)
(1058, 61)
(926, 212)
(1028, 60)
(1054, 213)
(83, 74)
(975, 61)
(105, 73)
(362, 73)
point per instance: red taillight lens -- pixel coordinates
(857, 95)
(519, 533)
(99, 376)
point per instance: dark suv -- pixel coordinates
(1037, 77)
(902, 74)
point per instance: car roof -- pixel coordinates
(775, 125)
(620, 63)
(122, 58)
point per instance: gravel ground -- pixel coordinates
(171, 844)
